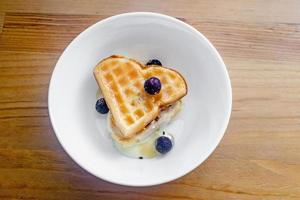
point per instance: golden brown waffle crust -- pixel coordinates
(143, 67)
(157, 102)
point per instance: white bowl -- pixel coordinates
(198, 128)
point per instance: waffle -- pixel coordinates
(165, 117)
(122, 83)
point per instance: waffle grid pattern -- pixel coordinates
(125, 79)
(126, 84)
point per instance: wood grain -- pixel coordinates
(259, 157)
(1, 21)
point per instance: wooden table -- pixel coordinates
(259, 157)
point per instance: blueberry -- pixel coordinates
(152, 85)
(101, 106)
(163, 144)
(154, 62)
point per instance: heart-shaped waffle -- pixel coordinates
(122, 83)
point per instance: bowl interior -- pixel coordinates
(142, 36)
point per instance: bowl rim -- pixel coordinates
(142, 14)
